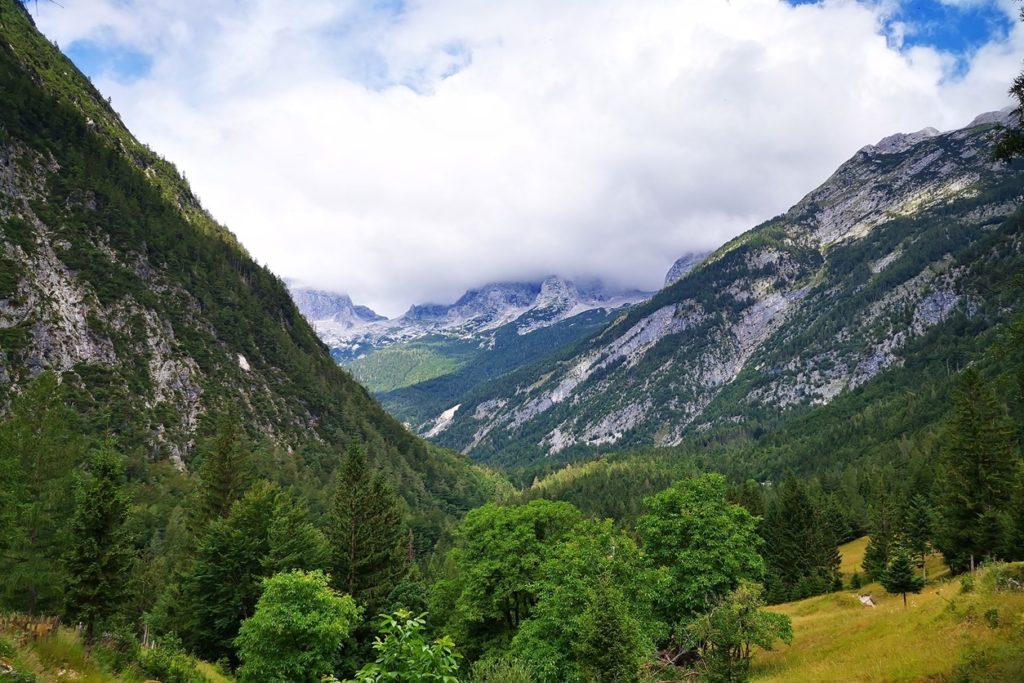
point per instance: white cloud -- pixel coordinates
(583, 137)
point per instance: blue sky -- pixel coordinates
(110, 60)
(405, 152)
(959, 28)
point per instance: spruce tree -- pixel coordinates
(882, 530)
(39, 451)
(366, 532)
(977, 478)
(918, 529)
(900, 577)
(801, 548)
(226, 470)
(265, 533)
(98, 557)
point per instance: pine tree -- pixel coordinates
(39, 450)
(369, 542)
(977, 478)
(265, 533)
(900, 577)
(98, 558)
(226, 470)
(918, 529)
(882, 530)
(801, 547)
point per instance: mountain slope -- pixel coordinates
(115, 278)
(895, 246)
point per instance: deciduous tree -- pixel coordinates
(707, 544)
(299, 625)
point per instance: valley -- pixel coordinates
(800, 459)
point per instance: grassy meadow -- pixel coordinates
(944, 634)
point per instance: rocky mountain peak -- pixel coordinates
(556, 292)
(900, 142)
(1004, 116)
(683, 265)
(321, 306)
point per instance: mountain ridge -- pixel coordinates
(474, 316)
(756, 328)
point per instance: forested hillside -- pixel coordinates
(150, 313)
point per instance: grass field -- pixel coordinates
(942, 635)
(62, 657)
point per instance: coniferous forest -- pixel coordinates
(204, 496)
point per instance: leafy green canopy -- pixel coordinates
(489, 582)
(726, 635)
(404, 654)
(595, 607)
(298, 626)
(707, 544)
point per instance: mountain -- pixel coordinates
(320, 306)
(355, 332)
(683, 265)
(890, 261)
(114, 278)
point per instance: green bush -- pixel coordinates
(299, 625)
(116, 651)
(168, 663)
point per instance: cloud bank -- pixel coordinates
(402, 152)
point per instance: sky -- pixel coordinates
(402, 151)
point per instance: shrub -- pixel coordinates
(298, 626)
(168, 663)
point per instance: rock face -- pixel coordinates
(355, 331)
(337, 308)
(683, 265)
(813, 303)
